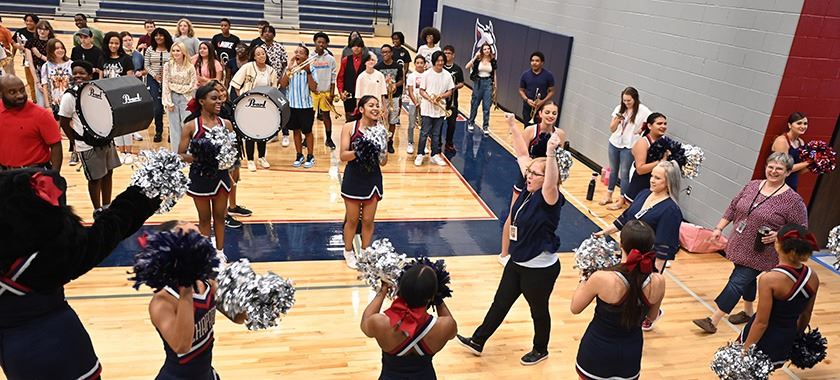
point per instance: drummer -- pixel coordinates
(98, 160)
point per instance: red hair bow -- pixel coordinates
(45, 188)
(192, 105)
(809, 237)
(643, 260)
(405, 318)
(143, 240)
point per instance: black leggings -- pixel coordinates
(536, 284)
(249, 149)
(450, 126)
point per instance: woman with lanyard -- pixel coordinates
(533, 243)
(255, 73)
(537, 136)
(642, 163)
(209, 188)
(627, 122)
(407, 334)
(758, 211)
(625, 295)
(155, 57)
(791, 142)
(656, 206)
(482, 69)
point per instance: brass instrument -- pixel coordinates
(534, 109)
(495, 104)
(298, 67)
(436, 102)
(390, 106)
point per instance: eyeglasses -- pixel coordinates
(533, 173)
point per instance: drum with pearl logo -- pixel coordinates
(260, 113)
(114, 107)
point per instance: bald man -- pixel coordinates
(29, 135)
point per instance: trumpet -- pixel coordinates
(534, 109)
(436, 101)
(298, 67)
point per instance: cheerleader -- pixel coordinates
(791, 143)
(226, 113)
(786, 296)
(46, 246)
(539, 135)
(361, 188)
(209, 192)
(642, 164)
(407, 334)
(184, 319)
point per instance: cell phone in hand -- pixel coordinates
(620, 116)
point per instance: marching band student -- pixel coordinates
(179, 84)
(436, 86)
(536, 85)
(348, 50)
(255, 73)
(324, 71)
(348, 71)
(431, 36)
(400, 53)
(300, 85)
(371, 81)
(394, 79)
(452, 102)
(413, 83)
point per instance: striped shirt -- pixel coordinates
(299, 95)
(154, 61)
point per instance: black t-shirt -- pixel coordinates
(395, 71)
(225, 46)
(92, 55)
(457, 77)
(256, 42)
(41, 46)
(117, 67)
(401, 55)
(22, 35)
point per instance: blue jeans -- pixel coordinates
(155, 89)
(482, 93)
(431, 128)
(620, 161)
(741, 284)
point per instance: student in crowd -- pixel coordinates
(138, 61)
(255, 73)
(119, 63)
(399, 52)
(146, 40)
(81, 22)
(413, 83)
(258, 40)
(55, 74)
(155, 57)
(482, 69)
(437, 85)
(430, 37)
(237, 61)
(348, 50)
(452, 102)
(348, 71)
(225, 43)
(324, 70)
(36, 55)
(179, 84)
(299, 88)
(533, 82)
(628, 119)
(394, 79)
(20, 37)
(372, 82)
(6, 49)
(87, 51)
(278, 59)
(207, 67)
(186, 35)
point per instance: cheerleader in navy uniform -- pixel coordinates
(408, 335)
(642, 164)
(226, 113)
(361, 187)
(786, 296)
(209, 192)
(539, 135)
(44, 246)
(611, 347)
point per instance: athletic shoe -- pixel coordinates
(310, 161)
(410, 148)
(503, 259)
(739, 318)
(252, 166)
(533, 357)
(647, 324)
(706, 324)
(390, 146)
(438, 161)
(330, 144)
(158, 138)
(486, 131)
(350, 259)
(239, 211)
(470, 345)
(232, 223)
(263, 163)
(298, 160)
(285, 141)
(470, 126)
(137, 136)
(419, 160)
(74, 159)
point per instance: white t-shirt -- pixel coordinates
(435, 84)
(67, 108)
(371, 84)
(624, 135)
(414, 80)
(427, 52)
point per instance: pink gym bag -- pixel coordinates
(697, 239)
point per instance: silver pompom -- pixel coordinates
(564, 162)
(160, 175)
(694, 160)
(380, 263)
(263, 299)
(731, 362)
(834, 245)
(594, 254)
(226, 141)
(379, 136)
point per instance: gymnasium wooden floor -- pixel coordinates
(320, 338)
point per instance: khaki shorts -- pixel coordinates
(98, 161)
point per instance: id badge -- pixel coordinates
(742, 225)
(513, 233)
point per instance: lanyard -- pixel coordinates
(754, 206)
(516, 215)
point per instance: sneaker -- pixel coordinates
(740, 318)
(350, 259)
(330, 144)
(74, 159)
(503, 259)
(239, 211)
(128, 158)
(471, 345)
(470, 126)
(310, 161)
(252, 166)
(418, 161)
(298, 160)
(410, 148)
(285, 141)
(390, 146)
(158, 138)
(263, 163)
(137, 136)
(486, 131)
(232, 223)
(706, 324)
(438, 161)
(533, 357)
(647, 324)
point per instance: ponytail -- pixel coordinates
(194, 106)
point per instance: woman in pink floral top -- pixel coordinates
(763, 204)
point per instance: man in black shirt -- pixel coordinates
(393, 72)
(86, 51)
(400, 53)
(259, 41)
(225, 43)
(452, 102)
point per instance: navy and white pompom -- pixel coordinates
(443, 278)
(174, 259)
(594, 254)
(731, 362)
(380, 263)
(225, 140)
(263, 299)
(834, 245)
(564, 162)
(693, 161)
(809, 348)
(159, 175)
(663, 144)
(371, 149)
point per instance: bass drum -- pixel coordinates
(260, 113)
(114, 107)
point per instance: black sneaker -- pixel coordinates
(330, 144)
(158, 138)
(239, 211)
(232, 223)
(390, 146)
(533, 357)
(472, 346)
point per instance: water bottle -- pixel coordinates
(590, 192)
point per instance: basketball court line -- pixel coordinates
(142, 295)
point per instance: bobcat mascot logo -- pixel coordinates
(484, 34)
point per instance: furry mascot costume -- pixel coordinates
(43, 245)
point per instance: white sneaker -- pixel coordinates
(285, 141)
(128, 158)
(503, 259)
(252, 166)
(470, 126)
(438, 161)
(137, 136)
(410, 149)
(263, 163)
(350, 259)
(419, 160)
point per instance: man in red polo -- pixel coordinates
(29, 135)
